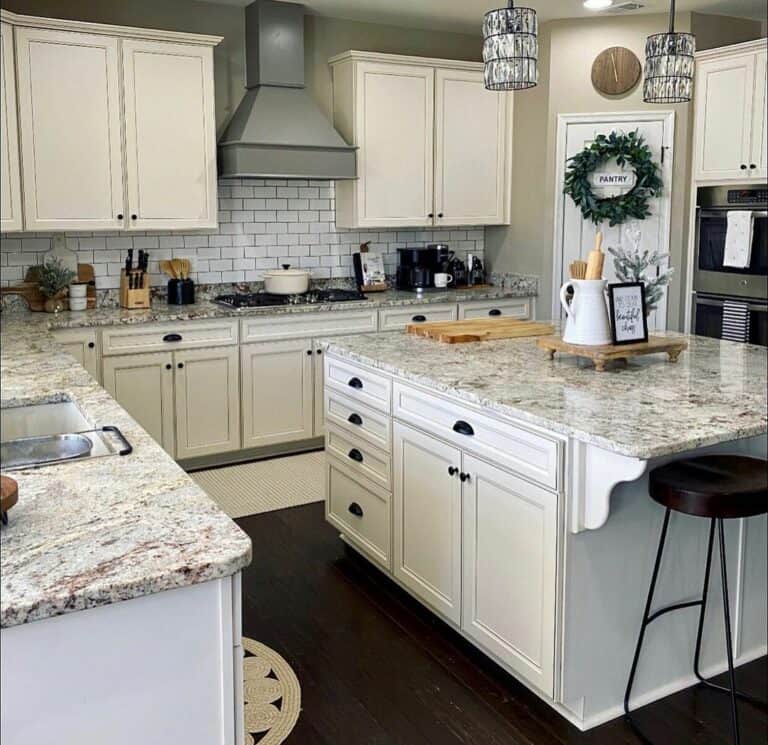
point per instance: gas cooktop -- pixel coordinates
(265, 299)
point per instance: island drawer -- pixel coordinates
(168, 337)
(507, 445)
(360, 509)
(396, 319)
(361, 457)
(358, 383)
(309, 324)
(358, 420)
(519, 307)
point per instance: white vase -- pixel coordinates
(587, 322)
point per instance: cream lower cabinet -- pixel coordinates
(427, 519)
(143, 385)
(82, 344)
(509, 552)
(278, 392)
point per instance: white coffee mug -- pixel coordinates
(78, 303)
(442, 279)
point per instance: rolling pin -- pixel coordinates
(595, 259)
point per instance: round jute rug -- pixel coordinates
(272, 695)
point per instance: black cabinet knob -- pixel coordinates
(355, 454)
(180, 365)
(752, 166)
(318, 351)
(355, 419)
(494, 312)
(431, 214)
(172, 337)
(120, 216)
(91, 344)
(356, 509)
(743, 167)
(309, 352)
(463, 428)
(134, 217)
(168, 366)
(355, 383)
(419, 319)
(464, 477)
(452, 470)
(439, 214)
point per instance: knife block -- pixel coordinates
(133, 299)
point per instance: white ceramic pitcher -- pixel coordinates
(587, 313)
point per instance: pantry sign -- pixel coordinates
(612, 182)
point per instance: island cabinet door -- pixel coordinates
(278, 400)
(509, 569)
(207, 401)
(143, 385)
(427, 519)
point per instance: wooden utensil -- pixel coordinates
(177, 268)
(578, 269)
(9, 495)
(186, 268)
(166, 268)
(479, 329)
(596, 259)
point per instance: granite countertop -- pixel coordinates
(716, 392)
(98, 531)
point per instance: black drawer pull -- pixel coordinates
(168, 366)
(743, 166)
(419, 319)
(355, 419)
(172, 337)
(452, 470)
(464, 477)
(91, 344)
(355, 383)
(463, 428)
(355, 454)
(356, 509)
(494, 312)
(180, 365)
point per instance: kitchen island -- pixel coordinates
(508, 493)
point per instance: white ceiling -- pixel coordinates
(466, 15)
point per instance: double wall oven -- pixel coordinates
(717, 287)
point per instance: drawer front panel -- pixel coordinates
(358, 383)
(358, 420)
(304, 325)
(505, 308)
(361, 458)
(396, 319)
(360, 509)
(507, 445)
(167, 337)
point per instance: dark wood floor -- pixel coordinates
(376, 668)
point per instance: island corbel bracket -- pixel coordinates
(592, 474)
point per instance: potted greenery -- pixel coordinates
(53, 279)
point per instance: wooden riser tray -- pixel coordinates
(479, 329)
(603, 354)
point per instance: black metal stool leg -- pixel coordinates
(647, 612)
(728, 642)
(704, 593)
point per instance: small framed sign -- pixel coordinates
(628, 321)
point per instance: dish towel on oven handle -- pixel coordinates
(738, 239)
(735, 320)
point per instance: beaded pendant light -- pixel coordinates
(510, 48)
(669, 65)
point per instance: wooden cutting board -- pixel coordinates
(479, 329)
(9, 495)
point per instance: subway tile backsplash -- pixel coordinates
(263, 223)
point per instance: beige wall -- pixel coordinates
(718, 31)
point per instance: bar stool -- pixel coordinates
(718, 487)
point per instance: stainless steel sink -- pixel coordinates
(38, 451)
(37, 420)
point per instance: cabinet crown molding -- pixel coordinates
(758, 45)
(405, 59)
(61, 24)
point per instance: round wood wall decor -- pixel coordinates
(615, 70)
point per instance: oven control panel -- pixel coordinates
(747, 196)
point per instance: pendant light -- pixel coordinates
(510, 48)
(669, 65)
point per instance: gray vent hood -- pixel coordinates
(278, 131)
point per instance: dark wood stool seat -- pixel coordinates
(717, 487)
(720, 486)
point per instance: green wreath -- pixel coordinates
(631, 149)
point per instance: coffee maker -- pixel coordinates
(416, 268)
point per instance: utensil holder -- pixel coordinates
(181, 291)
(133, 299)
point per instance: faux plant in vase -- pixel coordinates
(53, 279)
(650, 267)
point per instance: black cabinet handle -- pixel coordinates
(743, 167)
(452, 470)
(419, 319)
(494, 312)
(431, 214)
(91, 344)
(439, 214)
(752, 166)
(463, 428)
(120, 216)
(318, 351)
(168, 366)
(355, 419)
(134, 217)
(309, 352)
(355, 383)
(355, 454)
(464, 477)
(356, 509)
(127, 447)
(172, 337)
(180, 365)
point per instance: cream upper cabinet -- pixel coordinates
(170, 138)
(730, 113)
(69, 115)
(434, 146)
(10, 182)
(472, 126)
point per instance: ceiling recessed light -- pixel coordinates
(597, 4)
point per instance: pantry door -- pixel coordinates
(575, 236)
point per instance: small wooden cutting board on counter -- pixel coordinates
(479, 329)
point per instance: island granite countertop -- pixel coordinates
(715, 393)
(94, 532)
